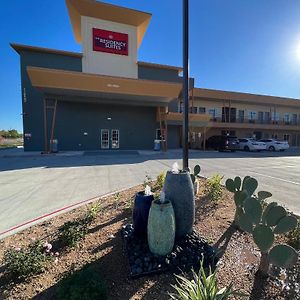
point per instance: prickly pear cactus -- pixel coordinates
(263, 222)
(197, 170)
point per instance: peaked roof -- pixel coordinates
(109, 12)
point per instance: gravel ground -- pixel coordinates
(103, 246)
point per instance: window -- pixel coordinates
(201, 110)
(252, 116)
(294, 120)
(287, 118)
(275, 116)
(286, 137)
(241, 116)
(193, 109)
(212, 113)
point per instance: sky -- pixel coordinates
(236, 45)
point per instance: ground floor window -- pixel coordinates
(286, 137)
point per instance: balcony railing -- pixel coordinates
(256, 121)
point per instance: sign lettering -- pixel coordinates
(110, 42)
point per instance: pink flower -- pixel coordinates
(56, 254)
(18, 249)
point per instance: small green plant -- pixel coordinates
(92, 212)
(84, 284)
(293, 237)
(160, 180)
(72, 232)
(214, 187)
(202, 287)
(197, 170)
(27, 261)
(117, 198)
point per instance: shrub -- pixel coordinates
(214, 187)
(84, 284)
(201, 287)
(72, 232)
(294, 237)
(28, 261)
(92, 212)
(160, 180)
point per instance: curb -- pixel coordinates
(27, 224)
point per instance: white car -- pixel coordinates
(249, 144)
(274, 145)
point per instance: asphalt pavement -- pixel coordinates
(33, 185)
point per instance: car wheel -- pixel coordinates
(246, 148)
(272, 148)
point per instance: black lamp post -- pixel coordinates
(185, 90)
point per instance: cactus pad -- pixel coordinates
(244, 180)
(266, 211)
(262, 195)
(274, 215)
(230, 185)
(245, 223)
(283, 256)
(263, 237)
(237, 182)
(253, 210)
(197, 170)
(250, 185)
(286, 224)
(240, 197)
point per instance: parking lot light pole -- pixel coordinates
(185, 89)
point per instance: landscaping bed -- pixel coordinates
(102, 249)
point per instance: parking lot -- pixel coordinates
(32, 185)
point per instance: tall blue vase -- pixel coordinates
(142, 204)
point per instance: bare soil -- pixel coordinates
(103, 246)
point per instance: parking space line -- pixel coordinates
(284, 180)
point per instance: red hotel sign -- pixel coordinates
(110, 42)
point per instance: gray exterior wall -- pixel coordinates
(137, 125)
(158, 74)
(33, 114)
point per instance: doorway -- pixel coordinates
(110, 139)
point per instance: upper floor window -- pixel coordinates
(275, 116)
(201, 110)
(212, 112)
(287, 118)
(193, 109)
(252, 115)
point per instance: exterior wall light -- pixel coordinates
(113, 85)
(85, 133)
(109, 119)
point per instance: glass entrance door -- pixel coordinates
(104, 139)
(115, 139)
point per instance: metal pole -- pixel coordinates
(185, 126)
